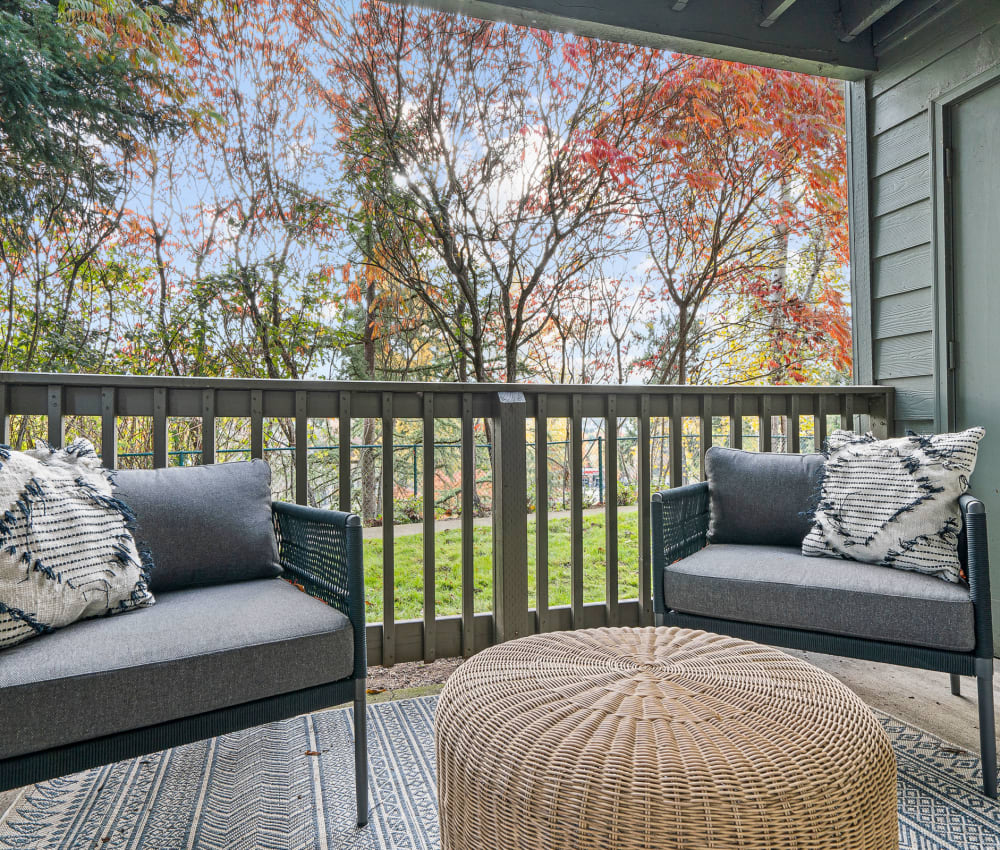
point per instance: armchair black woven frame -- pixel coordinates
(680, 528)
(319, 550)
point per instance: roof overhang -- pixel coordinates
(832, 38)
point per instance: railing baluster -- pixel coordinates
(706, 433)
(4, 415)
(344, 450)
(55, 416)
(256, 424)
(611, 514)
(301, 447)
(576, 512)
(676, 442)
(847, 412)
(208, 426)
(795, 446)
(645, 491)
(765, 423)
(542, 513)
(159, 427)
(468, 527)
(820, 423)
(736, 422)
(388, 538)
(109, 429)
(430, 574)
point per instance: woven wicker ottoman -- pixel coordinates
(658, 738)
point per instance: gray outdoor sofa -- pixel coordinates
(767, 591)
(232, 641)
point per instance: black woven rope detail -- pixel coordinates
(32, 496)
(26, 618)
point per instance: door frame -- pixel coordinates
(947, 350)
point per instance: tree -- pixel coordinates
(81, 91)
(84, 88)
(490, 161)
(744, 170)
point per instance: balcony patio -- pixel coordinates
(730, 736)
(690, 419)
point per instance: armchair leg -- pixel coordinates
(987, 725)
(361, 750)
(956, 685)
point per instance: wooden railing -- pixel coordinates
(509, 409)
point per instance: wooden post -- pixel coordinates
(160, 428)
(109, 429)
(55, 433)
(510, 518)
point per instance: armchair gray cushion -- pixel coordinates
(196, 650)
(203, 524)
(761, 498)
(779, 586)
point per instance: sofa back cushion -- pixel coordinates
(761, 497)
(203, 524)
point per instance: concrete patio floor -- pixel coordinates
(919, 697)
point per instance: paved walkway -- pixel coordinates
(445, 524)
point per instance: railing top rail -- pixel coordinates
(287, 384)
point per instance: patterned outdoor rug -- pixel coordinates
(258, 790)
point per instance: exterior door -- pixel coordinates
(974, 163)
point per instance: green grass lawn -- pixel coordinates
(409, 581)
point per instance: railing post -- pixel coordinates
(55, 407)
(4, 416)
(510, 518)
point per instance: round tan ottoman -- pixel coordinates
(658, 738)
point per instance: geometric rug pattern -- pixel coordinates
(289, 786)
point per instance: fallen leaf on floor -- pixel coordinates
(312, 753)
(954, 750)
(375, 691)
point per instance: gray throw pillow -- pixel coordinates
(203, 524)
(761, 498)
(895, 502)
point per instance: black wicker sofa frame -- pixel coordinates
(680, 522)
(320, 552)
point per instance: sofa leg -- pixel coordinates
(956, 685)
(361, 750)
(987, 725)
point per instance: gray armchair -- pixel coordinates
(775, 595)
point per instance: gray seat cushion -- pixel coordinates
(195, 650)
(761, 498)
(778, 586)
(203, 524)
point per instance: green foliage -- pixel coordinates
(75, 106)
(408, 509)
(627, 494)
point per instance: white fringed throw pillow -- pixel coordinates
(894, 502)
(66, 552)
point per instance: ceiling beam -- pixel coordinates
(804, 38)
(856, 16)
(771, 10)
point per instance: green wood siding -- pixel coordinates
(920, 59)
